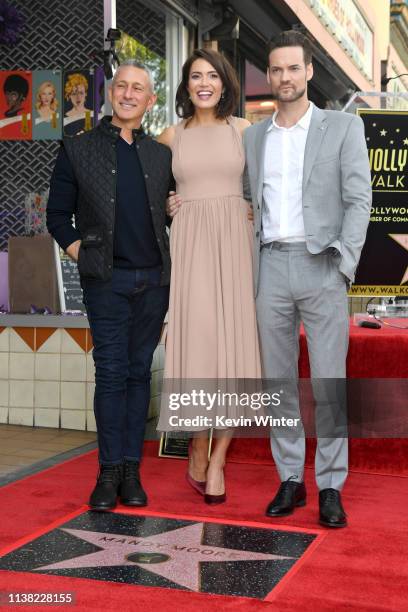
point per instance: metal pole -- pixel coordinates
(109, 21)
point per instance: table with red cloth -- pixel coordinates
(373, 353)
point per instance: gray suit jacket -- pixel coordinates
(336, 185)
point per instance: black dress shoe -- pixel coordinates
(131, 490)
(104, 495)
(331, 510)
(289, 496)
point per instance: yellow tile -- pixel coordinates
(73, 367)
(21, 366)
(47, 417)
(21, 396)
(4, 392)
(47, 367)
(73, 419)
(46, 394)
(4, 340)
(21, 416)
(90, 369)
(4, 366)
(90, 392)
(73, 396)
(90, 421)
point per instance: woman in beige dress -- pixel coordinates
(212, 331)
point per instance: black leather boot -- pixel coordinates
(131, 490)
(105, 493)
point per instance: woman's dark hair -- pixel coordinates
(229, 101)
(15, 82)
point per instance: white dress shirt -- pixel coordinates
(282, 214)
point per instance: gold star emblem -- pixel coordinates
(405, 141)
(402, 240)
(383, 132)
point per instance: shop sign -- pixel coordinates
(344, 20)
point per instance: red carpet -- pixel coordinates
(359, 568)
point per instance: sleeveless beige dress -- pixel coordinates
(212, 330)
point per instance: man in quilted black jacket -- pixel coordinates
(114, 180)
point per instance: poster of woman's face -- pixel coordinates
(15, 105)
(78, 101)
(47, 112)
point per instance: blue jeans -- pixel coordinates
(125, 317)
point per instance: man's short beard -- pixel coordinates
(297, 96)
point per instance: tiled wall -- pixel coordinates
(47, 377)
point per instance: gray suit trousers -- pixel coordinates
(296, 286)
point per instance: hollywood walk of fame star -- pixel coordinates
(175, 554)
(383, 132)
(402, 240)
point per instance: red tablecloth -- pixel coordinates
(373, 353)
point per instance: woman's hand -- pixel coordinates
(173, 204)
(250, 212)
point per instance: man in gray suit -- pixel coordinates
(310, 182)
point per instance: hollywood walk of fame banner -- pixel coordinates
(383, 268)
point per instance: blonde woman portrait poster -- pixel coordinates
(78, 94)
(47, 105)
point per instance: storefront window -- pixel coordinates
(155, 37)
(258, 99)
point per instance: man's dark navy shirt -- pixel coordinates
(135, 244)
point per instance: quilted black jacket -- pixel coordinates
(93, 159)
